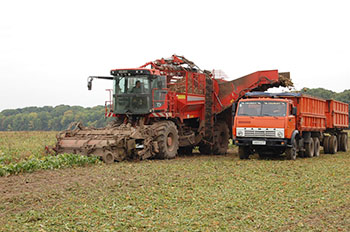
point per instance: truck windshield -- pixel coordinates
(133, 85)
(262, 108)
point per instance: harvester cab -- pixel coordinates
(136, 91)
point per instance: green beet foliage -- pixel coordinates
(46, 162)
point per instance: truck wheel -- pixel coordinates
(221, 137)
(326, 144)
(333, 144)
(343, 142)
(291, 152)
(316, 147)
(309, 148)
(243, 152)
(185, 150)
(168, 139)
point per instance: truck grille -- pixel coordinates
(260, 133)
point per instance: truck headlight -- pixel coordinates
(279, 134)
(240, 132)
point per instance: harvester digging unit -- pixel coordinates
(163, 108)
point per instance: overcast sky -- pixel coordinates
(49, 48)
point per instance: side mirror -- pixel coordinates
(294, 111)
(89, 85)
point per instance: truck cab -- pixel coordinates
(264, 125)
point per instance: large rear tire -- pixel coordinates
(333, 144)
(316, 146)
(243, 152)
(343, 142)
(205, 149)
(221, 138)
(309, 148)
(167, 138)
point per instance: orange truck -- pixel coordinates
(290, 123)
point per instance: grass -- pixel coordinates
(19, 146)
(199, 193)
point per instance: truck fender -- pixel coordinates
(295, 134)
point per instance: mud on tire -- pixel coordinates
(167, 137)
(221, 137)
(220, 140)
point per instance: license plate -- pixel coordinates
(259, 142)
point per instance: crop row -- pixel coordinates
(47, 162)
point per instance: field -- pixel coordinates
(194, 193)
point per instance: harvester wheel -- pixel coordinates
(168, 139)
(243, 152)
(205, 149)
(309, 148)
(343, 142)
(326, 140)
(316, 146)
(333, 144)
(185, 150)
(108, 158)
(221, 138)
(291, 152)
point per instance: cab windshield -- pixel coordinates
(132, 85)
(262, 108)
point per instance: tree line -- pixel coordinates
(58, 118)
(51, 118)
(328, 94)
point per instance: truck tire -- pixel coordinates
(243, 152)
(316, 146)
(291, 152)
(167, 138)
(343, 142)
(221, 138)
(185, 150)
(326, 144)
(309, 148)
(333, 144)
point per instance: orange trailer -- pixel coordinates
(337, 114)
(291, 123)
